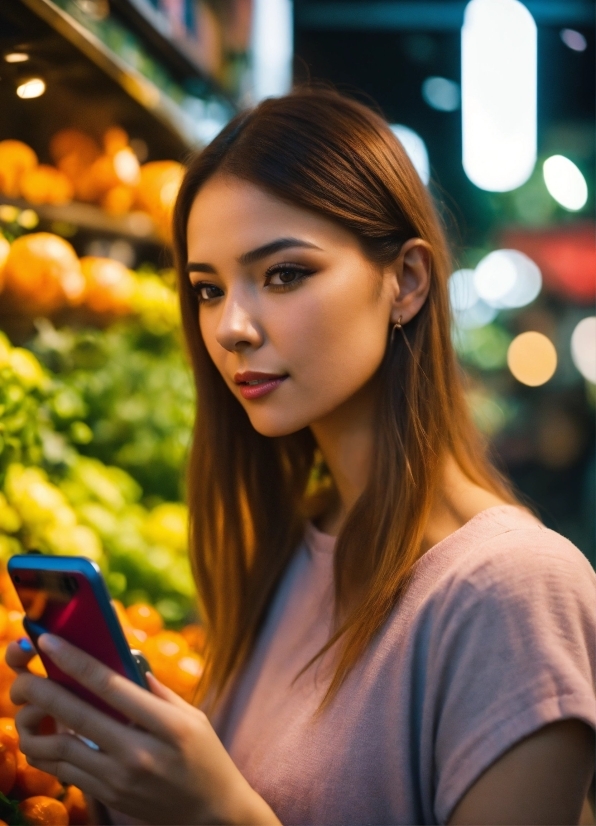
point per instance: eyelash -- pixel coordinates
(276, 269)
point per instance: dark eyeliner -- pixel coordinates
(300, 270)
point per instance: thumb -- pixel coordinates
(19, 654)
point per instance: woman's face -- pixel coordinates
(294, 316)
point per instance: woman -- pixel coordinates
(392, 637)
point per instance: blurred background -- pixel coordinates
(101, 101)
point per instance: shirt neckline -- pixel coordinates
(323, 544)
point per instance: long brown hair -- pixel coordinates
(329, 154)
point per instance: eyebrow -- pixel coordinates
(257, 254)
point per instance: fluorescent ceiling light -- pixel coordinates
(272, 48)
(498, 94)
(415, 149)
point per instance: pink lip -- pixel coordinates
(267, 383)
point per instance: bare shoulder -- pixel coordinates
(543, 779)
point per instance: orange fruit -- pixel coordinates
(163, 652)
(73, 142)
(195, 636)
(115, 139)
(10, 598)
(9, 736)
(109, 285)
(118, 200)
(37, 667)
(3, 620)
(44, 810)
(135, 637)
(8, 769)
(145, 617)
(157, 190)
(42, 273)
(7, 707)
(4, 250)
(31, 781)
(7, 675)
(120, 612)
(14, 625)
(46, 185)
(76, 806)
(15, 159)
(3, 823)
(168, 645)
(184, 677)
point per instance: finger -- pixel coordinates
(134, 702)
(110, 735)
(165, 693)
(19, 654)
(62, 749)
(29, 717)
(67, 773)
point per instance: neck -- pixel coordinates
(346, 441)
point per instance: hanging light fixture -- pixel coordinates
(499, 92)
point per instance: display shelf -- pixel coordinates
(134, 226)
(132, 82)
(179, 52)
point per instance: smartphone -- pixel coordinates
(67, 596)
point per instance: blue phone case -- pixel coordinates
(67, 596)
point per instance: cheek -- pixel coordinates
(340, 338)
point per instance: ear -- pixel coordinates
(410, 279)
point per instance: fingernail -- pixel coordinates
(50, 644)
(25, 644)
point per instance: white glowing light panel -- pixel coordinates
(272, 48)
(498, 94)
(415, 149)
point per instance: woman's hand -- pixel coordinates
(170, 767)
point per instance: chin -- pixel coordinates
(274, 426)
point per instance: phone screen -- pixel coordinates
(69, 604)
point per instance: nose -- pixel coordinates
(238, 328)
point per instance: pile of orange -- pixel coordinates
(40, 274)
(107, 173)
(175, 659)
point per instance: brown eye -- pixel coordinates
(206, 292)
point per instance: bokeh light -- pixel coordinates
(415, 149)
(499, 94)
(469, 310)
(574, 40)
(506, 279)
(583, 348)
(32, 88)
(441, 93)
(16, 57)
(532, 358)
(565, 182)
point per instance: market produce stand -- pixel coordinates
(90, 329)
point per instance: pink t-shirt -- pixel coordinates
(494, 638)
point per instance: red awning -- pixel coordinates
(565, 255)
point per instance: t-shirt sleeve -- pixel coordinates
(513, 649)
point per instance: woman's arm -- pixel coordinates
(542, 780)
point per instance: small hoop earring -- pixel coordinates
(396, 326)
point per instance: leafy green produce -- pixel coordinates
(88, 460)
